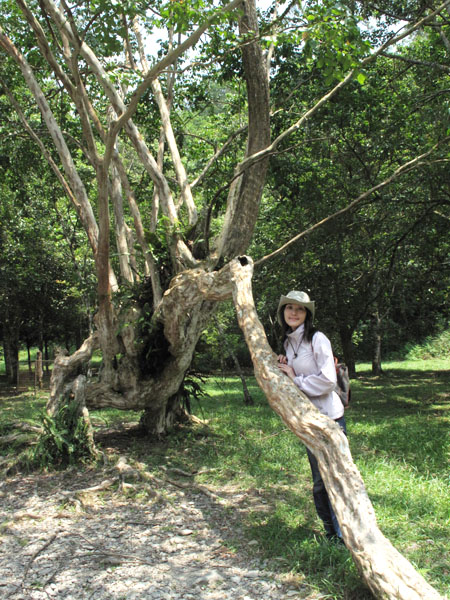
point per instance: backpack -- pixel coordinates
(342, 388)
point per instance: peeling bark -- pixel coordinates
(181, 255)
(77, 188)
(387, 573)
(121, 232)
(180, 171)
(65, 367)
(191, 297)
(185, 310)
(78, 390)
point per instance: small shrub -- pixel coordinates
(65, 439)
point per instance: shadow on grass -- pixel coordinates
(404, 417)
(291, 533)
(267, 501)
(398, 430)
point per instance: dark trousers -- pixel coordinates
(320, 495)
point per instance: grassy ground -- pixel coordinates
(398, 428)
(399, 435)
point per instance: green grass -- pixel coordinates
(24, 406)
(398, 426)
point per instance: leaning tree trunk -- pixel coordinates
(387, 573)
(65, 367)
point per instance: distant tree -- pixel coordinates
(40, 295)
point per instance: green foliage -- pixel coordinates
(390, 254)
(152, 345)
(220, 341)
(64, 440)
(437, 346)
(334, 40)
(183, 15)
(193, 389)
(45, 276)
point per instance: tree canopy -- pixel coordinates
(398, 111)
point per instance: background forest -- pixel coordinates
(379, 273)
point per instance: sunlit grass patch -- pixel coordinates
(23, 406)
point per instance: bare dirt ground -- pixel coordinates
(110, 533)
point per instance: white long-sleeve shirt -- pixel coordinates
(314, 369)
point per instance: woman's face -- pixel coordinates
(294, 315)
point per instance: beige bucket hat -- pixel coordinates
(294, 297)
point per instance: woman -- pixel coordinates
(309, 362)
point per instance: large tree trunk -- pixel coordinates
(138, 378)
(246, 190)
(183, 314)
(66, 367)
(387, 573)
(122, 382)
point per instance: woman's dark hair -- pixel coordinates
(310, 330)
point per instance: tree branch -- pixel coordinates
(393, 40)
(170, 58)
(65, 366)
(77, 189)
(181, 254)
(218, 154)
(405, 168)
(114, 97)
(245, 192)
(413, 61)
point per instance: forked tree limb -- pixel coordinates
(387, 573)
